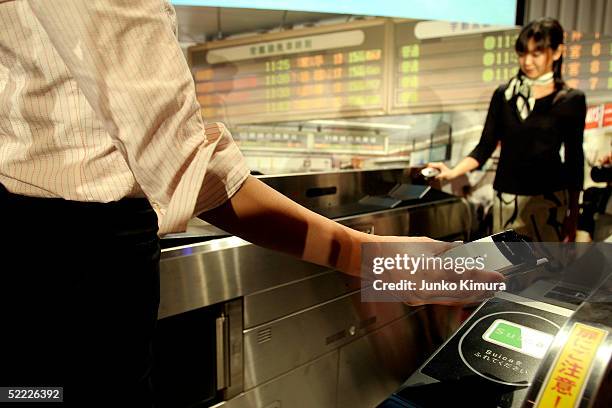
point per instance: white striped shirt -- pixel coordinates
(97, 103)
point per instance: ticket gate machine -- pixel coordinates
(547, 345)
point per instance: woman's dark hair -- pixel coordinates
(547, 33)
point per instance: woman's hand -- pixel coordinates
(445, 172)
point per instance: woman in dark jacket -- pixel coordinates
(532, 117)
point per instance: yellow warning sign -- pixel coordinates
(565, 383)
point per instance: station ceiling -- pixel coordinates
(199, 24)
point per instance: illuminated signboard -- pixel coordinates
(375, 67)
(288, 77)
(437, 73)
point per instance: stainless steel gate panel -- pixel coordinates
(277, 347)
(204, 274)
(372, 367)
(441, 221)
(310, 386)
(265, 306)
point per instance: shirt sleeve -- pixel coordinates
(572, 141)
(128, 63)
(490, 133)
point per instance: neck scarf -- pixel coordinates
(521, 87)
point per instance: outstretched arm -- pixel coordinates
(265, 217)
(484, 149)
(464, 166)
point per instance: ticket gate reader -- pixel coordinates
(510, 352)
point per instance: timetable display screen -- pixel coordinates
(303, 76)
(375, 67)
(466, 69)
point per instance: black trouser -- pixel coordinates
(79, 292)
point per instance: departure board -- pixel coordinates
(438, 73)
(375, 67)
(588, 62)
(323, 74)
(461, 69)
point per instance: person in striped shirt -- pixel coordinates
(103, 150)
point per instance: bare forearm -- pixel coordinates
(464, 166)
(263, 216)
